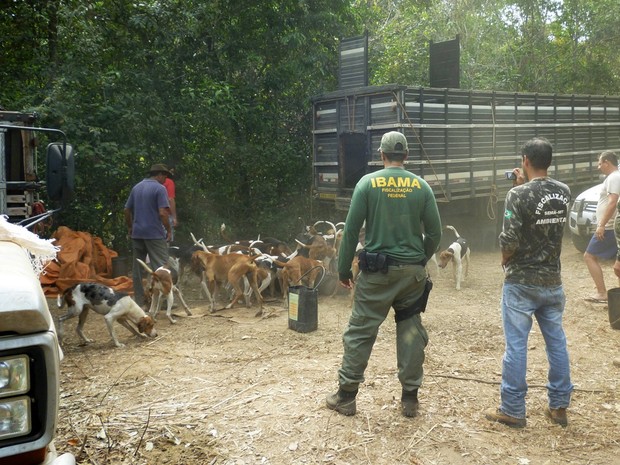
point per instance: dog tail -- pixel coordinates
(145, 266)
(456, 233)
(198, 242)
(305, 246)
(224, 234)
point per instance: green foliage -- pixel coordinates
(548, 46)
(222, 90)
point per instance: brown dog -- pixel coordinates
(231, 268)
(294, 269)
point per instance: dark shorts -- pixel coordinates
(605, 249)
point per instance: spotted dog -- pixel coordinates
(114, 306)
(162, 285)
(457, 253)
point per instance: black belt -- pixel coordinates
(393, 262)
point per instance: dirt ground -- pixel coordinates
(231, 388)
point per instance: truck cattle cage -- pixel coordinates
(460, 141)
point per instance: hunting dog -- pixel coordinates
(292, 271)
(268, 272)
(183, 254)
(272, 246)
(312, 244)
(229, 268)
(161, 285)
(457, 253)
(114, 306)
(317, 248)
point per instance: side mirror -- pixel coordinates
(60, 175)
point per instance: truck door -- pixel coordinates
(18, 173)
(352, 158)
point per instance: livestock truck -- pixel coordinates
(29, 350)
(461, 142)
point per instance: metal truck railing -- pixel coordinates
(460, 141)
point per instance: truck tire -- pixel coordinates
(580, 242)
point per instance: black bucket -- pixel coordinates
(613, 306)
(303, 305)
(120, 267)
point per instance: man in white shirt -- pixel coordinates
(602, 246)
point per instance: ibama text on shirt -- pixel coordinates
(395, 186)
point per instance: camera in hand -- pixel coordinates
(510, 174)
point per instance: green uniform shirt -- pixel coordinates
(398, 208)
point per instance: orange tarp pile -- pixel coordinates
(82, 258)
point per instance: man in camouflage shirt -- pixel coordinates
(531, 241)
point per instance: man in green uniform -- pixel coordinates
(402, 231)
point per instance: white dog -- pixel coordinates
(457, 253)
(162, 285)
(114, 306)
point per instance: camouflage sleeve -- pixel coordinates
(509, 239)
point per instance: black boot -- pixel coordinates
(409, 403)
(342, 402)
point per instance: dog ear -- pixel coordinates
(444, 258)
(145, 325)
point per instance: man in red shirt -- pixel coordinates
(171, 190)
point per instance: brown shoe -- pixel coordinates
(557, 416)
(500, 417)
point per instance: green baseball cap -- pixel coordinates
(394, 142)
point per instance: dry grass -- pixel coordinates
(231, 389)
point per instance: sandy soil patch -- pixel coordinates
(230, 388)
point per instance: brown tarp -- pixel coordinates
(82, 258)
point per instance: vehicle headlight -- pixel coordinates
(14, 375)
(14, 417)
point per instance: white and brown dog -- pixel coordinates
(457, 253)
(230, 268)
(162, 285)
(114, 306)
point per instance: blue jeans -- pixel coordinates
(519, 303)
